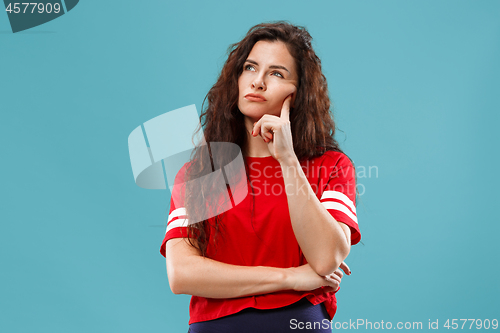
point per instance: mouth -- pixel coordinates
(255, 98)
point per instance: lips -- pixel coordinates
(255, 98)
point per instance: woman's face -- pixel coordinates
(269, 76)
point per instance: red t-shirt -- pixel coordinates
(258, 230)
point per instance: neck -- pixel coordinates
(255, 145)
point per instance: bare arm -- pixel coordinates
(190, 273)
(324, 241)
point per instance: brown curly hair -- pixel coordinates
(313, 127)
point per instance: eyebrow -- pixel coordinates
(272, 66)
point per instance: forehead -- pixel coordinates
(268, 53)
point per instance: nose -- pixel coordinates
(259, 84)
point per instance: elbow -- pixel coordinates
(176, 280)
(175, 288)
(175, 283)
(329, 265)
(326, 268)
(182, 262)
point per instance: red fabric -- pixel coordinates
(258, 231)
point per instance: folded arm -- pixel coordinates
(190, 273)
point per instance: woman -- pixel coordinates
(272, 261)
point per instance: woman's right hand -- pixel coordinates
(304, 278)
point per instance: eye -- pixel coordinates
(278, 74)
(248, 68)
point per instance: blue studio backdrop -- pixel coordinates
(414, 86)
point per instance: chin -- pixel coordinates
(257, 111)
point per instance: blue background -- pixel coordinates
(415, 91)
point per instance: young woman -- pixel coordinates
(270, 263)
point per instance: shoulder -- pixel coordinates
(337, 158)
(178, 187)
(330, 159)
(181, 176)
(330, 165)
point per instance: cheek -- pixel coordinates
(239, 86)
(244, 80)
(286, 90)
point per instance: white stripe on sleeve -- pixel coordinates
(177, 212)
(341, 208)
(176, 224)
(339, 196)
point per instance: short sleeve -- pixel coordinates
(177, 221)
(339, 194)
